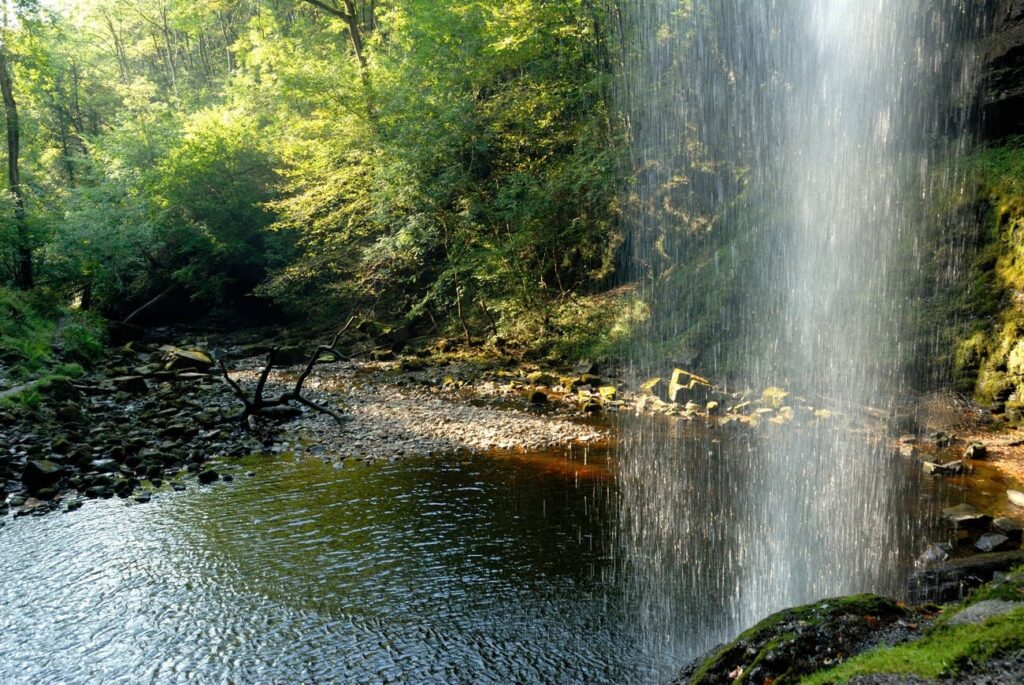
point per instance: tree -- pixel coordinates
(24, 272)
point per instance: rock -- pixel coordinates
(935, 554)
(713, 408)
(1016, 497)
(538, 397)
(1011, 528)
(774, 397)
(143, 498)
(976, 450)
(41, 473)
(993, 542)
(982, 611)
(696, 388)
(178, 487)
(124, 488)
(954, 468)
(941, 439)
(135, 385)
(951, 580)
(73, 505)
(649, 386)
(966, 517)
(796, 642)
(908, 439)
(178, 359)
(208, 476)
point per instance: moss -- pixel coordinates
(945, 652)
(791, 642)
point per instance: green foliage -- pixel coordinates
(989, 355)
(38, 337)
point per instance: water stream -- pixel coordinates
(792, 153)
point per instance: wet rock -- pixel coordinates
(950, 468)
(41, 473)
(966, 517)
(179, 487)
(976, 450)
(940, 439)
(796, 642)
(1016, 497)
(73, 505)
(993, 542)
(208, 476)
(143, 498)
(935, 554)
(953, 579)
(1011, 528)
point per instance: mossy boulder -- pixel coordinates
(796, 642)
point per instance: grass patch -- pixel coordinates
(945, 652)
(41, 338)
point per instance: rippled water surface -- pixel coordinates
(458, 570)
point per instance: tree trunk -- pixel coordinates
(24, 269)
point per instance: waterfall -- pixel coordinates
(787, 155)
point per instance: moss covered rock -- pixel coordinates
(797, 642)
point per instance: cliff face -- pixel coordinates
(1003, 97)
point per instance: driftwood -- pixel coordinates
(258, 403)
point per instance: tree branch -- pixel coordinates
(331, 10)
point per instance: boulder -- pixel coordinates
(382, 354)
(41, 473)
(179, 359)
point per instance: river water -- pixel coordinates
(485, 569)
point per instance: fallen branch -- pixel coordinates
(258, 403)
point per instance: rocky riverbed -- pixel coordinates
(155, 415)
